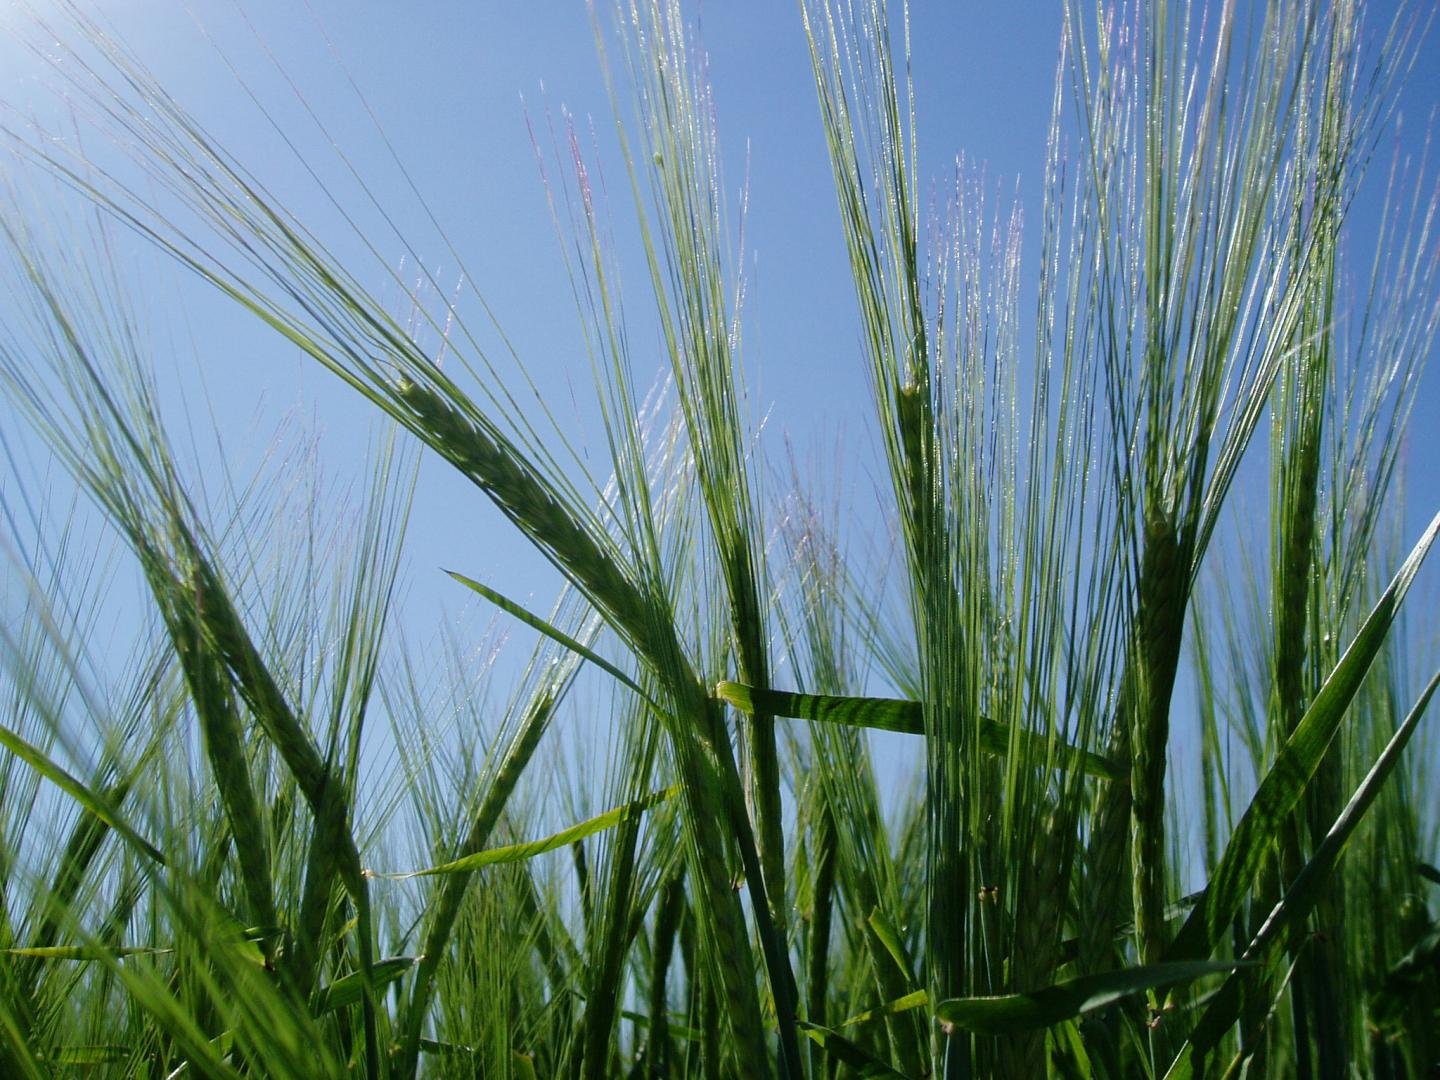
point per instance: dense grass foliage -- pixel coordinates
(1165, 821)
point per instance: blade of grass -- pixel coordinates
(347, 989)
(1009, 1014)
(1288, 916)
(92, 801)
(861, 1063)
(549, 629)
(528, 850)
(1284, 784)
(914, 1000)
(906, 718)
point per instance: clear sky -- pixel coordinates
(446, 81)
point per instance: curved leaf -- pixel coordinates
(913, 1000)
(347, 989)
(531, 848)
(549, 629)
(1289, 914)
(77, 790)
(886, 932)
(862, 1063)
(1009, 1014)
(1280, 791)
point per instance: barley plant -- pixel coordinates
(1135, 626)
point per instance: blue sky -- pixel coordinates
(446, 82)
(455, 88)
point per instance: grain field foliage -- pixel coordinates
(1103, 756)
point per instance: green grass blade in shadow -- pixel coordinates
(1009, 1014)
(861, 1063)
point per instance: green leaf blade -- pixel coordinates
(1282, 787)
(861, 1062)
(905, 718)
(1010, 1014)
(347, 989)
(529, 849)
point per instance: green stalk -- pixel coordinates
(658, 1054)
(1163, 589)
